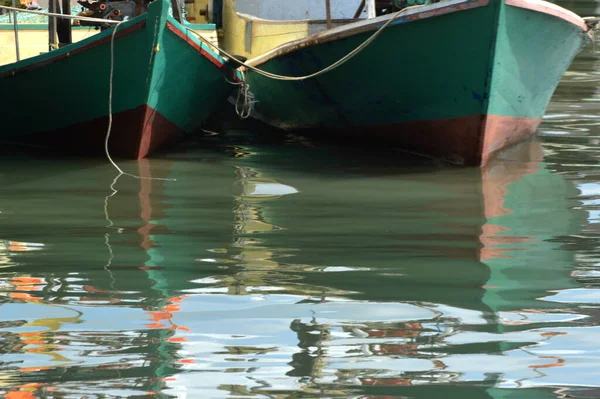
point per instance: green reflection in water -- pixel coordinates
(351, 282)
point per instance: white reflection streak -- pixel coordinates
(107, 234)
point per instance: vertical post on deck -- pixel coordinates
(16, 28)
(328, 12)
(52, 8)
(177, 12)
(371, 9)
(64, 27)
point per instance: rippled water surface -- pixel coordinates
(274, 267)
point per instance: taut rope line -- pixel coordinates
(331, 67)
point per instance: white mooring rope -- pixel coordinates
(110, 112)
(245, 107)
(331, 67)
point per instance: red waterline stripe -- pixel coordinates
(195, 45)
(87, 47)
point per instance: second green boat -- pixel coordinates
(458, 80)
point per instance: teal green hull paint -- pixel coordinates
(533, 51)
(523, 273)
(452, 70)
(71, 84)
(153, 68)
(365, 90)
(177, 75)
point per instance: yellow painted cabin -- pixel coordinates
(261, 29)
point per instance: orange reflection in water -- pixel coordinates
(24, 391)
(26, 283)
(150, 194)
(495, 178)
(163, 318)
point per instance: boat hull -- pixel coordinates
(152, 128)
(449, 93)
(165, 83)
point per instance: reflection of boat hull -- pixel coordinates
(395, 333)
(462, 98)
(481, 231)
(165, 82)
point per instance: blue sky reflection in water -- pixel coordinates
(275, 267)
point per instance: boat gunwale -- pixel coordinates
(101, 38)
(86, 44)
(44, 26)
(195, 43)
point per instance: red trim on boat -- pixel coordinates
(195, 45)
(136, 133)
(77, 50)
(550, 9)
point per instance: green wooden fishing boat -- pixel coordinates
(458, 80)
(165, 82)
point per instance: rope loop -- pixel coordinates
(244, 103)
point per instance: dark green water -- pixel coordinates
(280, 268)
